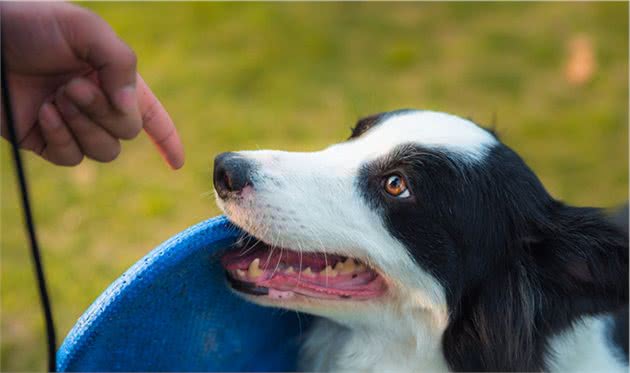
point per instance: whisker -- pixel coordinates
(299, 323)
(275, 270)
(206, 194)
(249, 248)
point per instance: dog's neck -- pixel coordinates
(388, 342)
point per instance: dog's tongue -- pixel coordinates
(282, 273)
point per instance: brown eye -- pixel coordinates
(395, 185)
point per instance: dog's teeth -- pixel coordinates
(339, 266)
(348, 266)
(328, 271)
(361, 268)
(308, 272)
(254, 270)
(289, 270)
(240, 273)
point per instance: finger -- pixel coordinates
(94, 141)
(94, 41)
(91, 101)
(159, 126)
(60, 148)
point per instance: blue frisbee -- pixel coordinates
(172, 311)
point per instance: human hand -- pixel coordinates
(74, 87)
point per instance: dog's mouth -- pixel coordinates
(280, 273)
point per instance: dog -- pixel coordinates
(426, 244)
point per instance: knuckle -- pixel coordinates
(133, 58)
(130, 58)
(97, 111)
(69, 112)
(150, 112)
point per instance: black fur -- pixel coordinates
(619, 330)
(620, 333)
(518, 265)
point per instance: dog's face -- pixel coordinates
(396, 217)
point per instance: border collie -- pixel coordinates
(426, 244)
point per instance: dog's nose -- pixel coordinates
(231, 173)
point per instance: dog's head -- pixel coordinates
(413, 211)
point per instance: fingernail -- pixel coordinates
(125, 99)
(176, 162)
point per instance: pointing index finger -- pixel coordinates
(159, 126)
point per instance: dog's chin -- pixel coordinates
(315, 282)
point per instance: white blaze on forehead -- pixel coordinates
(427, 128)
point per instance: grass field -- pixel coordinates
(297, 76)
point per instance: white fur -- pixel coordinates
(427, 128)
(332, 347)
(585, 347)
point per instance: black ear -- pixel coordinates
(364, 124)
(494, 327)
(583, 254)
(620, 217)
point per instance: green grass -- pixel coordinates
(297, 76)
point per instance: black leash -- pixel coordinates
(30, 226)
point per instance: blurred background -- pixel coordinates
(553, 77)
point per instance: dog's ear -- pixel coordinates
(494, 327)
(582, 253)
(620, 217)
(566, 264)
(364, 124)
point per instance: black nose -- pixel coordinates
(231, 173)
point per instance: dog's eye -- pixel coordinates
(395, 185)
